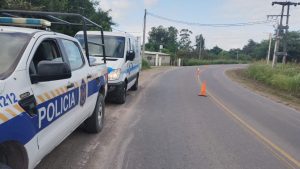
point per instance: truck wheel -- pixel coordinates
(95, 123)
(3, 166)
(136, 84)
(121, 94)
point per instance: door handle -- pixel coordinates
(70, 85)
(89, 76)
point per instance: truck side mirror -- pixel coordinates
(50, 71)
(130, 55)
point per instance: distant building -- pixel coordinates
(157, 58)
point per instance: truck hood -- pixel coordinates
(112, 63)
(2, 84)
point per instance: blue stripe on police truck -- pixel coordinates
(125, 71)
(19, 128)
(95, 85)
(6, 20)
(132, 68)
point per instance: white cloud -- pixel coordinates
(247, 11)
(149, 3)
(119, 8)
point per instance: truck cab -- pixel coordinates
(123, 61)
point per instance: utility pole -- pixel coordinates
(275, 47)
(286, 34)
(280, 31)
(144, 32)
(269, 51)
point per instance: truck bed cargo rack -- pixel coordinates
(53, 17)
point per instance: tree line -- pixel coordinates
(179, 44)
(88, 8)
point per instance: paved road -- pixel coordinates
(167, 126)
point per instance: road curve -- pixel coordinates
(231, 128)
(167, 125)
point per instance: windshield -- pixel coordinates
(11, 47)
(114, 45)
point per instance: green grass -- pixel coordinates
(145, 64)
(282, 77)
(195, 62)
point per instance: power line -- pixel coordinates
(123, 31)
(209, 25)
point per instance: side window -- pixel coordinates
(47, 50)
(73, 54)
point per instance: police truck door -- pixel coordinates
(56, 100)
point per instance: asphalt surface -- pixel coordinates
(166, 125)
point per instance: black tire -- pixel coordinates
(4, 166)
(121, 94)
(136, 84)
(95, 123)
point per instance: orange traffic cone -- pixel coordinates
(203, 89)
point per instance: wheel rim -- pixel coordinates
(100, 113)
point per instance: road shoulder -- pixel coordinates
(263, 90)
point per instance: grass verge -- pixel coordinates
(282, 77)
(145, 65)
(195, 62)
(280, 96)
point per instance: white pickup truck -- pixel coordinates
(47, 89)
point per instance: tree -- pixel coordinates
(3, 4)
(185, 41)
(261, 50)
(250, 48)
(216, 50)
(293, 44)
(200, 44)
(163, 36)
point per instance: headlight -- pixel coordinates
(114, 75)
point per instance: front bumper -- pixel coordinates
(114, 89)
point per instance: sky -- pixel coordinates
(128, 15)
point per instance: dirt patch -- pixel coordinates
(279, 96)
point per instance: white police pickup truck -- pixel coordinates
(47, 89)
(123, 60)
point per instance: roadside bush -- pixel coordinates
(195, 62)
(282, 77)
(145, 64)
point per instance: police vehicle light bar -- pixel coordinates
(30, 22)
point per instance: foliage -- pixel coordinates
(258, 51)
(88, 8)
(195, 62)
(185, 40)
(283, 77)
(162, 36)
(216, 50)
(200, 44)
(145, 64)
